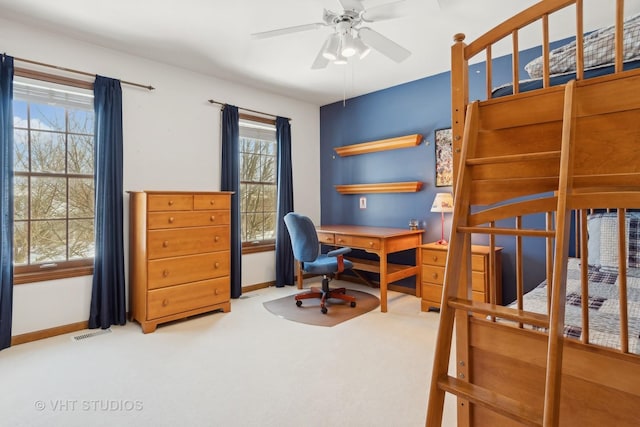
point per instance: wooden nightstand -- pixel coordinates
(434, 258)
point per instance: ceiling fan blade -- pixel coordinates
(392, 10)
(383, 45)
(288, 30)
(352, 5)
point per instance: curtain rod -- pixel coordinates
(84, 73)
(212, 101)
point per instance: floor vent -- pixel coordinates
(91, 334)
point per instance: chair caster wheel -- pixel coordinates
(353, 303)
(299, 303)
(323, 310)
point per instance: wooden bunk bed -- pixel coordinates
(559, 153)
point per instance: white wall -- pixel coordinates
(171, 142)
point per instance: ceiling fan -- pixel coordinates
(350, 36)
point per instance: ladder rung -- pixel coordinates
(511, 158)
(507, 231)
(499, 403)
(520, 316)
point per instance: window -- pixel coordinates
(53, 180)
(258, 183)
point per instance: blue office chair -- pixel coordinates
(306, 250)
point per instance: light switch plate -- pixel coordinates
(363, 203)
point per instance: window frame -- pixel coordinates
(268, 244)
(52, 271)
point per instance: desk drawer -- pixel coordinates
(170, 202)
(187, 241)
(328, 238)
(180, 298)
(358, 242)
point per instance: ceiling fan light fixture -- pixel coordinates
(341, 60)
(331, 47)
(348, 44)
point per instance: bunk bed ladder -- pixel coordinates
(457, 305)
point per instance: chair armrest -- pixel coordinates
(339, 251)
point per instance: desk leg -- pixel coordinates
(383, 281)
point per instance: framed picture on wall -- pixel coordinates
(444, 158)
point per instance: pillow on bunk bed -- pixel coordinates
(599, 49)
(608, 242)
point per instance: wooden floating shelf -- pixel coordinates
(381, 145)
(382, 187)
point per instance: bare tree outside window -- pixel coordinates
(258, 183)
(53, 182)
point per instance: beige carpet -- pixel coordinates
(309, 313)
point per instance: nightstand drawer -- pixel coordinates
(434, 257)
(478, 262)
(432, 293)
(432, 274)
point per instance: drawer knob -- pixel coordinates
(217, 238)
(171, 219)
(213, 202)
(435, 275)
(165, 243)
(370, 244)
(170, 202)
(435, 257)
(165, 302)
(216, 265)
(340, 240)
(165, 273)
(212, 218)
(216, 292)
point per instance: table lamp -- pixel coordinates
(442, 203)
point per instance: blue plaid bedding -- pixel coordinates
(604, 306)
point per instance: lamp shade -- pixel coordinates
(442, 203)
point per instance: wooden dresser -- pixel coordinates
(179, 255)
(434, 258)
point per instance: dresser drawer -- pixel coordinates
(211, 201)
(432, 274)
(172, 271)
(170, 202)
(187, 241)
(187, 219)
(191, 296)
(328, 238)
(435, 257)
(358, 242)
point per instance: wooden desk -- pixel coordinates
(380, 241)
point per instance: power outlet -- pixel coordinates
(363, 203)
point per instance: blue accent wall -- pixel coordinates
(421, 106)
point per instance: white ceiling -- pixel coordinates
(213, 37)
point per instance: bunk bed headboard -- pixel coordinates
(462, 54)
